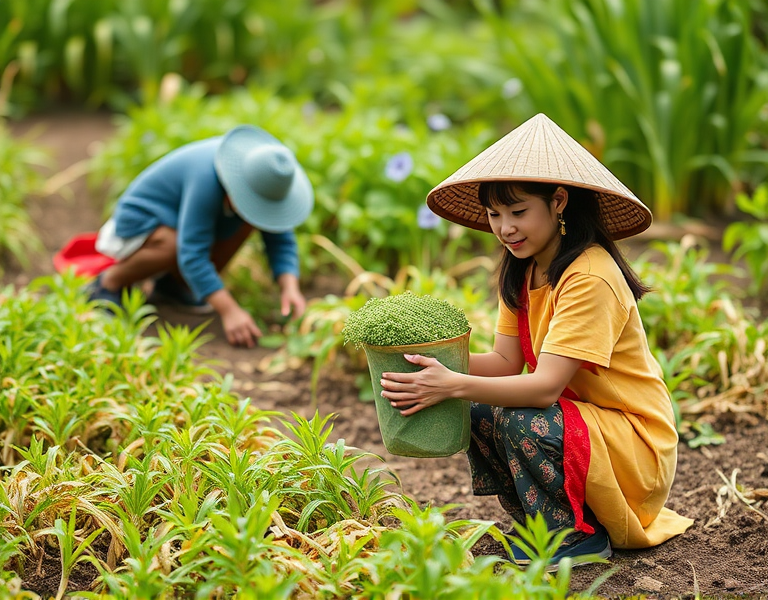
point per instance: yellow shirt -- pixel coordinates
(591, 315)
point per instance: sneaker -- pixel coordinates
(168, 290)
(97, 292)
(596, 545)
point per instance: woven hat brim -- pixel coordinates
(263, 213)
(538, 150)
(459, 203)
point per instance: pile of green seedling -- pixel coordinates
(404, 319)
(141, 480)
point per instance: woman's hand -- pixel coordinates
(238, 324)
(292, 301)
(240, 328)
(412, 392)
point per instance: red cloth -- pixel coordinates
(576, 447)
(80, 254)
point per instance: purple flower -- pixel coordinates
(308, 110)
(438, 122)
(399, 166)
(426, 218)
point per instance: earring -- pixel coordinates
(562, 223)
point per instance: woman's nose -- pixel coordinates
(507, 227)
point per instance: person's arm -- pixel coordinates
(412, 392)
(505, 359)
(282, 252)
(200, 209)
(239, 326)
(283, 257)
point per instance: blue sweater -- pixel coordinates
(182, 191)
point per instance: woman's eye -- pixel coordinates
(493, 214)
(517, 213)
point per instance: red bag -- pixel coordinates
(80, 254)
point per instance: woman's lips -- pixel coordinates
(516, 244)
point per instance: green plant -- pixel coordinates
(404, 319)
(146, 571)
(426, 556)
(239, 550)
(20, 178)
(685, 290)
(70, 551)
(333, 490)
(115, 53)
(703, 434)
(749, 240)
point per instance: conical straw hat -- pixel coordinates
(538, 150)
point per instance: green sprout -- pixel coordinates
(404, 319)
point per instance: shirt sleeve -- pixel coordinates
(588, 320)
(282, 252)
(201, 202)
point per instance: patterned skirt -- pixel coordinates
(517, 455)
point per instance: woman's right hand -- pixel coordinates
(239, 326)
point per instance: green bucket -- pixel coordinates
(440, 430)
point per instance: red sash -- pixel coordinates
(576, 448)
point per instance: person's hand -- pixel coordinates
(292, 301)
(412, 392)
(240, 328)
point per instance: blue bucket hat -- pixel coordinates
(266, 185)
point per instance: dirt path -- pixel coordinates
(718, 557)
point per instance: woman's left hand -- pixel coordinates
(292, 301)
(412, 392)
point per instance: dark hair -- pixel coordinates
(585, 228)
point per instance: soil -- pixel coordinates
(724, 555)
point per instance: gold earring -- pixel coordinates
(562, 223)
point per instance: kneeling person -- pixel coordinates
(184, 217)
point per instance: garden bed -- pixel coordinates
(725, 553)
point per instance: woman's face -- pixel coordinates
(529, 228)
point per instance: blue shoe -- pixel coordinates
(598, 544)
(97, 292)
(168, 290)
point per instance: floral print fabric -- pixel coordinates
(517, 455)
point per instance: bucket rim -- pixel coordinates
(420, 345)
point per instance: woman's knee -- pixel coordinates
(162, 239)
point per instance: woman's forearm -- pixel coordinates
(525, 390)
(492, 364)
(541, 388)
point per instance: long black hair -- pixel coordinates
(585, 227)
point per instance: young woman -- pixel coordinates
(570, 415)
